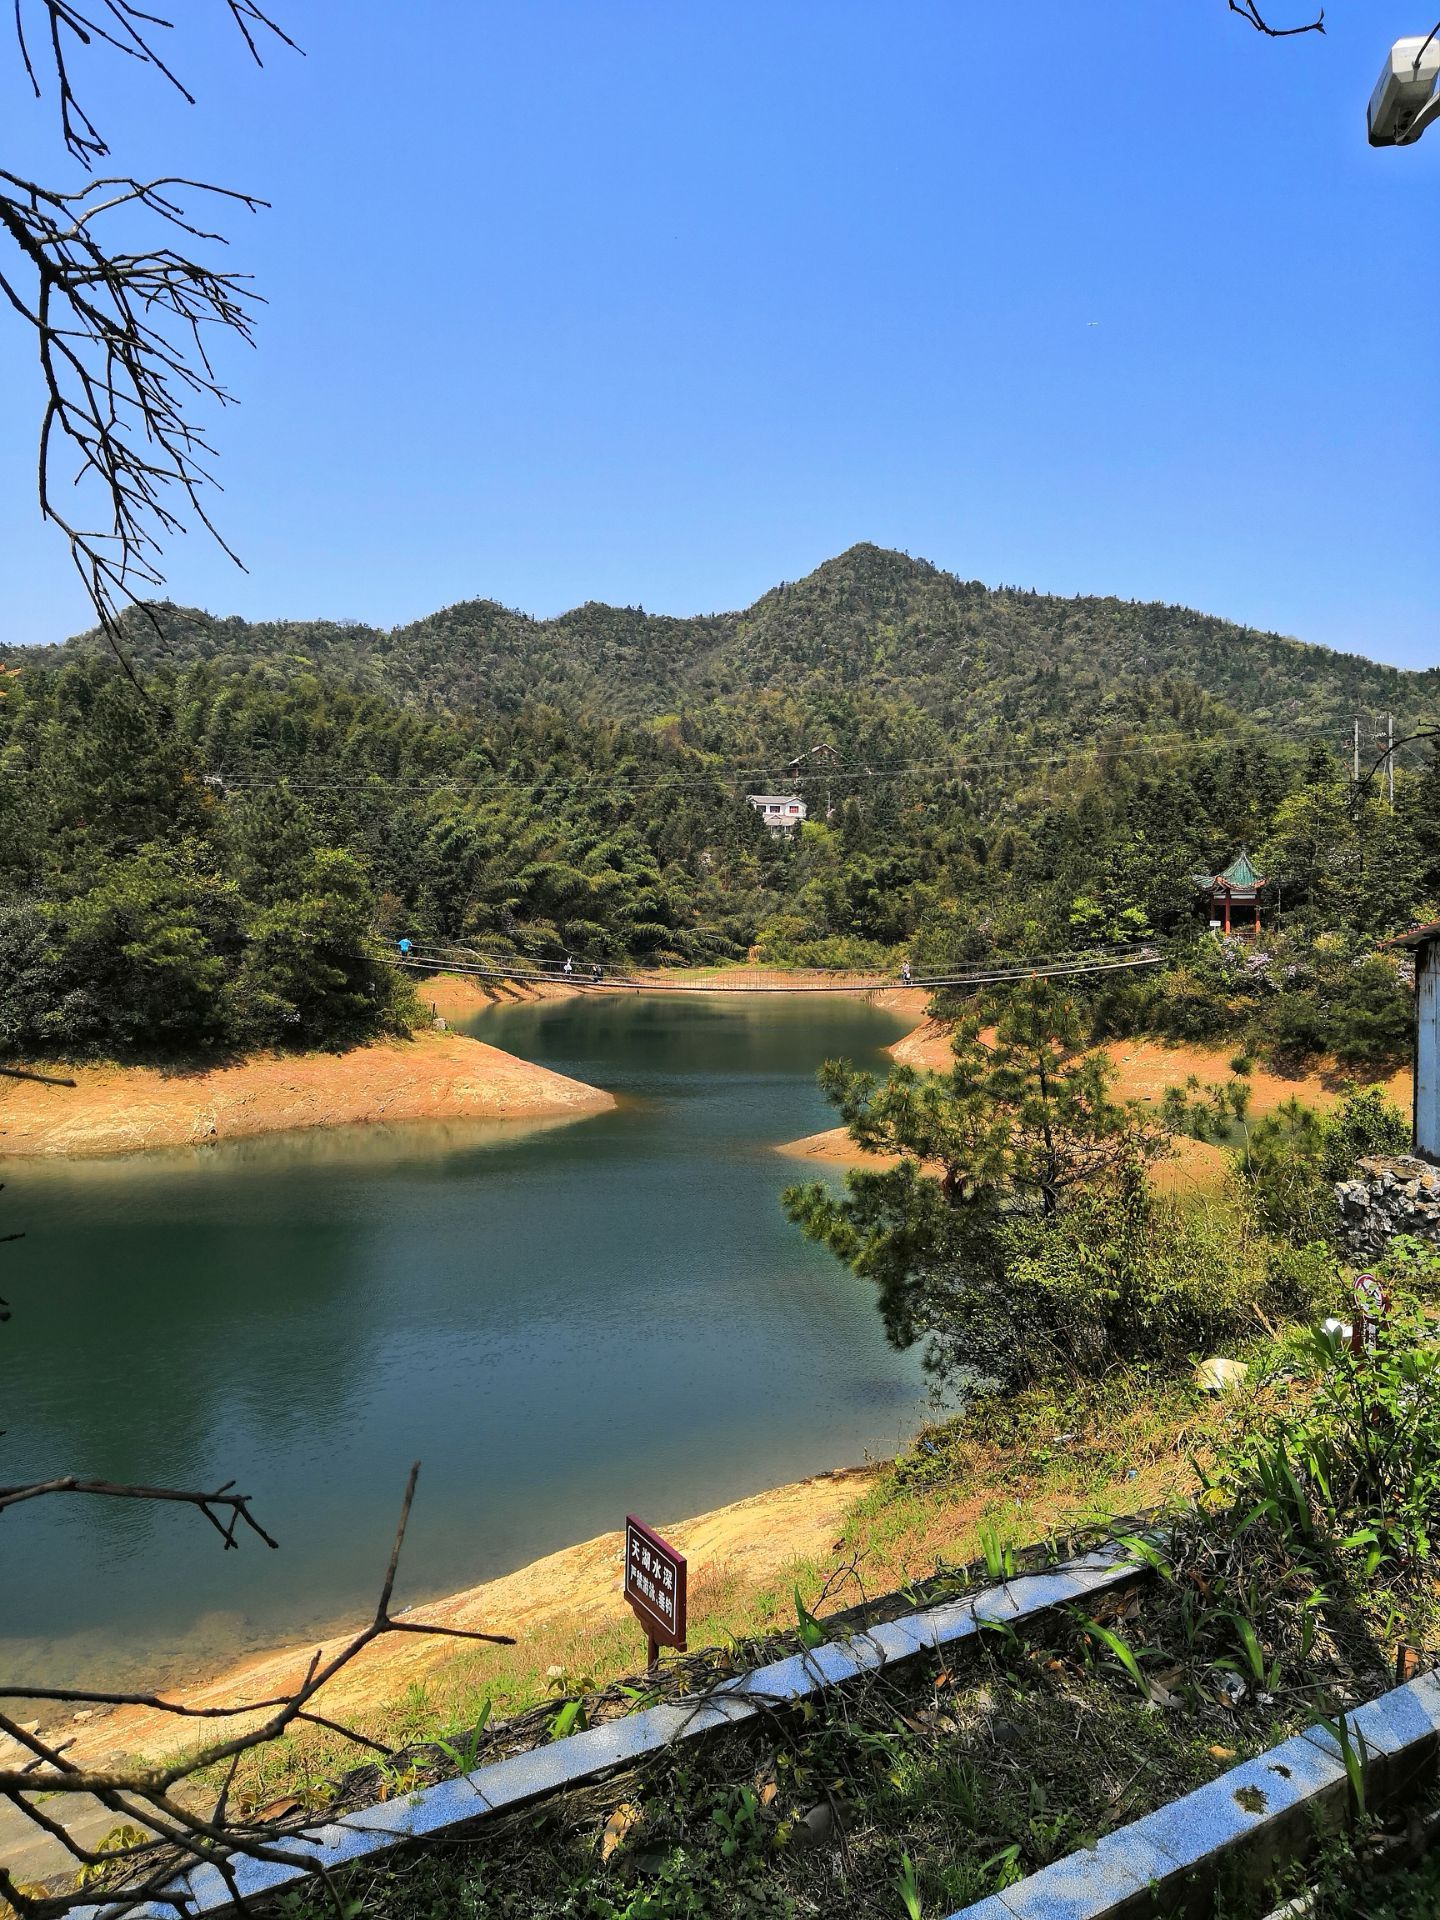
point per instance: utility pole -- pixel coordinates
(1355, 775)
(1390, 757)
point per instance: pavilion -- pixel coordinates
(1234, 896)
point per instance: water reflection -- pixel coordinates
(559, 1319)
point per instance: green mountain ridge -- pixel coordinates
(976, 660)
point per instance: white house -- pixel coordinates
(781, 812)
(1424, 943)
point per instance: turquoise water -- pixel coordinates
(561, 1323)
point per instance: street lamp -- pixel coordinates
(1407, 95)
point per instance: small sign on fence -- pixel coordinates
(655, 1587)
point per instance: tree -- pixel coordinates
(307, 973)
(1020, 1124)
(120, 330)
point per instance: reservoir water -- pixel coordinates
(561, 1323)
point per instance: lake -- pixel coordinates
(561, 1322)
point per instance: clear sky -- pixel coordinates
(663, 303)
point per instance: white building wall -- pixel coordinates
(1427, 1050)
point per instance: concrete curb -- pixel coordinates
(523, 1777)
(1247, 1820)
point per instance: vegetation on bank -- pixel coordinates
(1276, 1598)
(1013, 1228)
(1019, 1236)
(200, 861)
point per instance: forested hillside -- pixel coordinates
(971, 658)
(207, 860)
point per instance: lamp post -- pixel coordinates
(1407, 95)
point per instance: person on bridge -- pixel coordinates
(597, 974)
(905, 975)
(569, 966)
(405, 946)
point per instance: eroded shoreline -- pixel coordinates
(754, 1539)
(431, 1076)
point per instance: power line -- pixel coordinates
(616, 781)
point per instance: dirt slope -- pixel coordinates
(755, 1538)
(435, 1076)
(1143, 1070)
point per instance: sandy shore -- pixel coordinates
(1143, 1070)
(755, 1538)
(434, 1076)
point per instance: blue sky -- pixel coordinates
(664, 303)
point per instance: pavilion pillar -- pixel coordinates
(1225, 912)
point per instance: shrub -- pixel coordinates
(1412, 1265)
(1122, 1274)
(1293, 1158)
(1357, 1468)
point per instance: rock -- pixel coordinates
(625, 1816)
(1232, 1689)
(1218, 1375)
(1390, 1194)
(814, 1828)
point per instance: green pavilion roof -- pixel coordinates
(1241, 872)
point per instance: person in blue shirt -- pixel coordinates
(404, 946)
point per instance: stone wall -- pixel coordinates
(1389, 1194)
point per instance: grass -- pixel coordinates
(1367, 1877)
(912, 1792)
(916, 1791)
(1045, 1466)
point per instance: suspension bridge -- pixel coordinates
(589, 978)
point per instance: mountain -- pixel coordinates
(976, 660)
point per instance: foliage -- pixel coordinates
(1051, 774)
(1358, 1467)
(1017, 1230)
(1291, 1160)
(1412, 1264)
(1295, 995)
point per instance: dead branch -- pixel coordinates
(124, 357)
(170, 1834)
(65, 28)
(123, 337)
(237, 1503)
(1250, 10)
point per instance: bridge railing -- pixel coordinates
(773, 980)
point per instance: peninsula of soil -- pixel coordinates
(433, 1076)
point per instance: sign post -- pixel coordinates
(1372, 1303)
(655, 1588)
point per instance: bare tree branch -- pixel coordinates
(123, 28)
(172, 1835)
(237, 1503)
(123, 336)
(1250, 10)
(123, 355)
(160, 1831)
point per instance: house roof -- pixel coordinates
(1417, 936)
(1241, 872)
